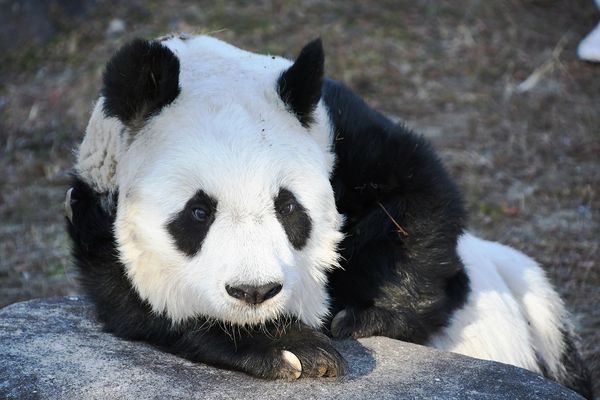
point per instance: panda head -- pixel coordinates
(221, 159)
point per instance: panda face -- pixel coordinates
(225, 207)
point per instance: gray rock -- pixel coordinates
(55, 349)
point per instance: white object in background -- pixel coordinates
(589, 47)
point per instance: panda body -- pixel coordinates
(233, 207)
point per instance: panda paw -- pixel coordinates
(317, 361)
(310, 359)
(350, 324)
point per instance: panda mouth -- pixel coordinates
(253, 316)
(251, 311)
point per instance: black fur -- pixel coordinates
(401, 274)
(297, 224)
(400, 281)
(256, 351)
(140, 79)
(187, 231)
(578, 376)
(300, 85)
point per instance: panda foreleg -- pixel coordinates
(269, 351)
(375, 321)
(403, 285)
(263, 352)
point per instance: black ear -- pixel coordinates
(300, 85)
(139, 81)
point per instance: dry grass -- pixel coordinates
(495, 85)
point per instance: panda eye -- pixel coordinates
(200, 214)
(287, 209)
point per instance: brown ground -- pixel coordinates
(528, 161)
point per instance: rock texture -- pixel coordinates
(55, 349)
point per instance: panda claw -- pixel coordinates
(294, 362)
(321, 370)
(68, 208)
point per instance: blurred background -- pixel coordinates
(496, 85)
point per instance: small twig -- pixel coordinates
(537, 74)
(210, 33)
(400, 229)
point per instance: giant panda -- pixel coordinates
(241, 210)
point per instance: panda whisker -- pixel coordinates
(223, 327)
(265, 331)
(206, 325)
(239, 330)
(233, 328)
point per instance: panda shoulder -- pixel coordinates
(363, 138)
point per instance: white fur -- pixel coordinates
(102, 146)
(229, 134)
(512, 312)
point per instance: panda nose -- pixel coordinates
(254, 294)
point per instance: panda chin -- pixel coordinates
(255, 315)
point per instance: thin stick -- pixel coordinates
(400, 229)
(537, 74)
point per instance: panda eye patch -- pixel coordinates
(191, 224)
(293, 217)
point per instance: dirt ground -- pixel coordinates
(496, 85)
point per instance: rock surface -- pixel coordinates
(54, 348)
